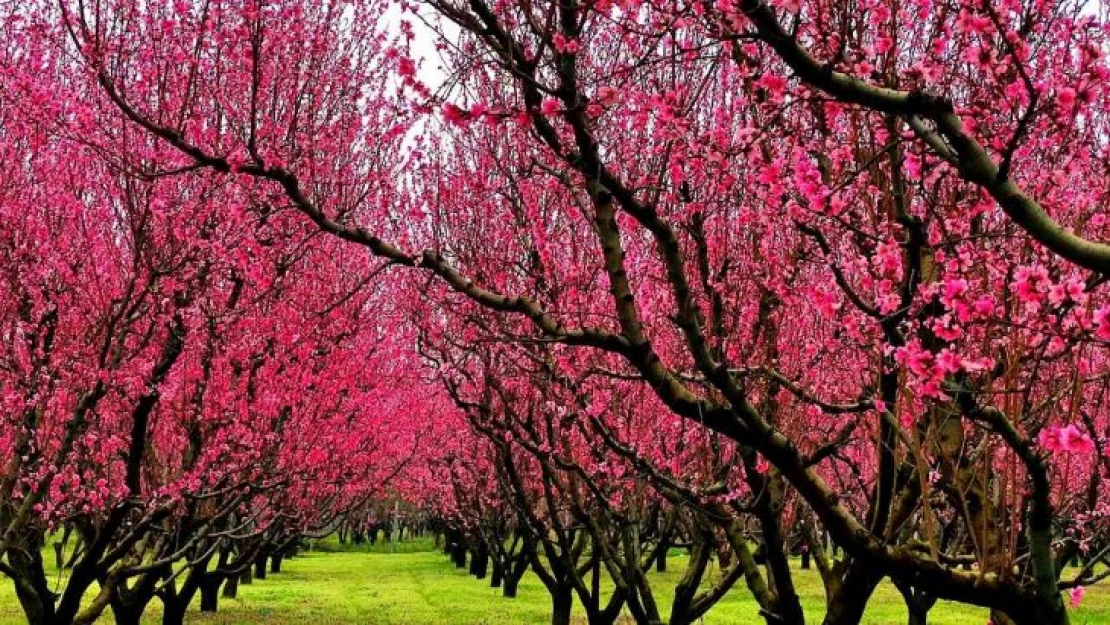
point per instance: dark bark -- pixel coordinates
(173, 611)
(479, 561)
(32, 589)
(918, 614)
(724, 557)
(210, 592)
(661, 559)
(918, 604)
(127, 615)
(509, 586)
(129, 603)
(514, 570)
(849, 595)
(82, 576)
(495, 575)
(458, 555)
(231, 587)
(562, 600)
(260, 566)
(176, 603)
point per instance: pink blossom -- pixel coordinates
(977, 365)
(954, 288)
(1031, 283)
(550, 107)
(984, 306)
(608, 96)
(478, 110)
(1076, 596)
(888, 258)
(948, 361)
(1057, 294)
(1102, 323)
(406, 67)
(916, 359)
(1067, 439)
(455, 115)
(774, 84)
(564, 45)
(1066, 97)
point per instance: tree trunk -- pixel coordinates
(247, 576)
(1045, 614)
(260, 566)
(176, 603)
(495, 574)
(458, 553)
(724, 558)
(479, 561)
(31, 588)
(918, 604)
(127, 615)
(129, 604)
(37, 612)
(515, 568)
(850, 597)
(561, 602)
(847, 610)
(231, 587)
(83, 576)
(275, 562)
(509, 586)
(210, 592)
(173, 611)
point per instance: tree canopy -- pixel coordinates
(578, 280)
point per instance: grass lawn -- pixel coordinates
(411, 585)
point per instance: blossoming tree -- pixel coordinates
(864, 242)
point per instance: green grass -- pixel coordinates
(408, 584)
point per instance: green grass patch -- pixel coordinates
(409, 584)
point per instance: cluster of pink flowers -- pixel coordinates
(1067, 439)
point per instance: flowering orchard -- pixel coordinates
(755, 278)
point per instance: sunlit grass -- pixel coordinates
(408, 584)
